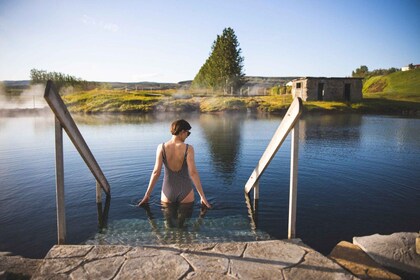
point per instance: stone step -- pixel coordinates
(355, 260)
(274, 259)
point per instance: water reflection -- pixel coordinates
(223, 135)
(330, 127)
(140, 118)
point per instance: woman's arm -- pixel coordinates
(192, 170)
(154, 177)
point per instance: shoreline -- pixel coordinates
(258, 259)
(309, 108)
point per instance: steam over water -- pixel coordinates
(358, 175)
(31, 98)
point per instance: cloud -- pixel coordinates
(108, 26)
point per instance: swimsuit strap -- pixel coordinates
(186, 151)
(163, 151)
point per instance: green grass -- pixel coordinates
(111, 101)
(400, 86)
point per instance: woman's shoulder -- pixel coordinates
(190, 148)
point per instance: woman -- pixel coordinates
(180, 169)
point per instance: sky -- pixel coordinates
(168, 41)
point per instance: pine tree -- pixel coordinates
(223, 69)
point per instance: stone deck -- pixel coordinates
(276, 259)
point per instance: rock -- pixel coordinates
(157, 267)
(394, 251)
(68, 251)
(418, 245)
(266, 259)
(16, 267)
(317, 266)
(355, 260)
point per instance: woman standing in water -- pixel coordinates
(180, 169)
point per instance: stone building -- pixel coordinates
(327, 89)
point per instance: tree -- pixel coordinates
(223, 68)
(360, 72)
(60, 80)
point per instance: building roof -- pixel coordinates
(327, 78)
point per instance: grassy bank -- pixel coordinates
(100, 101)
(397, 93)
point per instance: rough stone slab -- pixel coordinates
(57, 268)
(354, 259)
(100, 269)
(317, 266)
(207, 262)
(230, 249)
(68, 251)
(280, 253)
(395, 251)
(150, 251)
(266, 259)
(195, 247)
(247, 269)
(157, 267)
(107, 251)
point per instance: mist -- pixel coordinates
(31, 98)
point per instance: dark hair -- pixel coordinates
(178, 126)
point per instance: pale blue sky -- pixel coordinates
(168, 41)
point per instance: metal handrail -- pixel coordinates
(290, 123)
(64, 120)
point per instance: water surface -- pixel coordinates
(358, 175)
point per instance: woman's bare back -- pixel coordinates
(175, 154)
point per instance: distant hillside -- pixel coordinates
(250, 81)
(399, 85)
(255, 81)
(17, 84)
(140, 85)
(267, 82)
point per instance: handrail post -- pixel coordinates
(59, 172)
(257, 190)
(289, 124)
(293, 180)
(63, 120)
(98, 192)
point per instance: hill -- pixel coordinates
(403, 86)
(250, 81)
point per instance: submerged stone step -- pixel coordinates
(138, 232)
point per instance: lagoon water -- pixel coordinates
(358, 175)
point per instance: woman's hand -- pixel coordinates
(205, 202)
(143, 201)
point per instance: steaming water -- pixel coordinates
(358, 175)
(31, 98)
